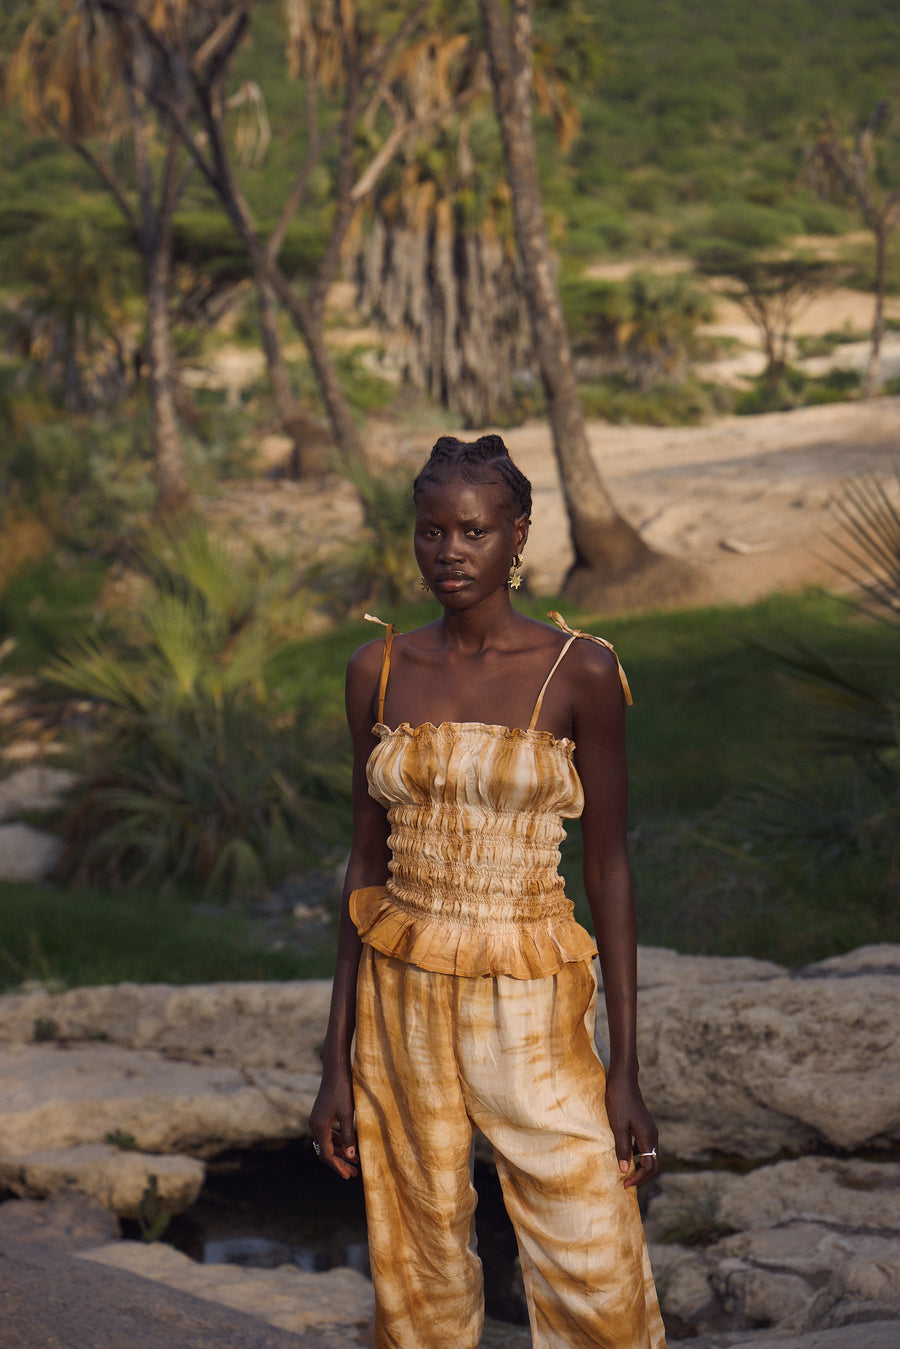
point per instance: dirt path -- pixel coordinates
(744, 500)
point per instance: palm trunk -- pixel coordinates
(287, 408)
(604, 543)
(172, 492)
(878, 321)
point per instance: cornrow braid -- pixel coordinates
(485, 460)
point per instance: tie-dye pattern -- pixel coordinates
(475, 814)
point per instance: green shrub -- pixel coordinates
(797, 389)
(841, 799)
(47, 603)
(667, 403)
(377, 565)
(199, 772)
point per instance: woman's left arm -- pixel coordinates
(599, 733)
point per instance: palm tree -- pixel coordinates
(356, 55)
(605, 545)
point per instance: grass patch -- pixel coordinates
(713, 712)
(83, 937)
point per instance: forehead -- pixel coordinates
(463, 500)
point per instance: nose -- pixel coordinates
(451, 549)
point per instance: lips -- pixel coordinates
(451, 580)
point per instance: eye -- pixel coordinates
(477, 532)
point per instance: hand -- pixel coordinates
(331, 1123)
(635, 1134)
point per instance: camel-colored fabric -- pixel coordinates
(438, 1056)
(475, 814)
(475, 1010)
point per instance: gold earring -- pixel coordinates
(514, 580)
(423, 584)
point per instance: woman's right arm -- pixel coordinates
(331, 1119)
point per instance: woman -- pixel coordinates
(461, 971)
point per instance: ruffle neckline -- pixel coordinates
(522, 950)
(508, 732)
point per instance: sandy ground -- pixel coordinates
(744, 501)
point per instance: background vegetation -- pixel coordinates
(696, 122)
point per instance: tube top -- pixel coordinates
(475, 814)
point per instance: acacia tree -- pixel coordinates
(856, 168)
(772, 289)
(73, 74)
(605, 545)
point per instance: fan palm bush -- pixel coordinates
(199, 773)
(377, 566)
(842, 797)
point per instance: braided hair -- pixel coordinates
(485, 460)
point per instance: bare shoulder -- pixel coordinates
(591, 675)
(365, 661)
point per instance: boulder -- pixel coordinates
(286, 1297)
(846, 1192)
(261, 1025)
(26, 853)
(70, 1221)
(63, 1109)
(54, 1097)
(753, 1066)
(34, 787)
(800, 1245)
(119, 1180)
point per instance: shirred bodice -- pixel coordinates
(476, 814)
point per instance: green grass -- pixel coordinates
(713, 712)
(81, 937)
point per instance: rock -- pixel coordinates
(870, 1335)
(682, 1277)
(286, 1297)
(813, 1243)
(658, 966)
(71, 1221)
(261, 1025)
(762, 1297)
(26, 853)
(746, 1068)
(842, 1191)
(34, 787)
(879, 957)
(56, 1097)
(119, 1180)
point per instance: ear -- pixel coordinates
(520, 525)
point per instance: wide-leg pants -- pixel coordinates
(438, 1056)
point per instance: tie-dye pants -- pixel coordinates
(439, 1056)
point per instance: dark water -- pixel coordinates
(280, 1206)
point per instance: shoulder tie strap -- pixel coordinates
(601, 641)
(389, 635)
(540, 698)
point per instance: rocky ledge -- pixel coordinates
(109, 1092)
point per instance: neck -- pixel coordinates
(484, 625)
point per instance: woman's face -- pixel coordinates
(465, 540)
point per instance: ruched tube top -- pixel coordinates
(475, 814)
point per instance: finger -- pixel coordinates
(347, 1135)
(646, 1166)
(329, 1150)
(623, 1149)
